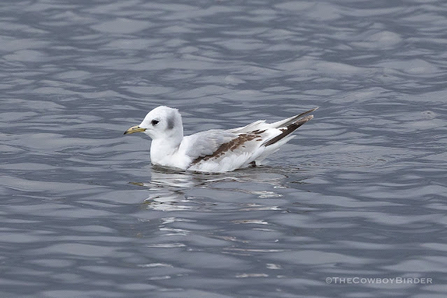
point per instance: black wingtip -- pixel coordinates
(290, 128)
(307, 112)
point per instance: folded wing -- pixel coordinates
(226, 150)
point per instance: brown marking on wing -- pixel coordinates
(232, 145)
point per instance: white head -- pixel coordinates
(161, 123)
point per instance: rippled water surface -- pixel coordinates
(359, 193)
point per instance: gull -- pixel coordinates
(216, 150)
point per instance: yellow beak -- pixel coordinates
(134, 129)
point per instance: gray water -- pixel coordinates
(359, 194)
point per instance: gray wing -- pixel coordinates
(205, 143)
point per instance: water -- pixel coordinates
(360, 193)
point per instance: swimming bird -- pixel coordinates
(216, 150)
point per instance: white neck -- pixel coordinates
(162, 151)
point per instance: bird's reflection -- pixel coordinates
(168, 188)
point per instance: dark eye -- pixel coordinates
(154, 122)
